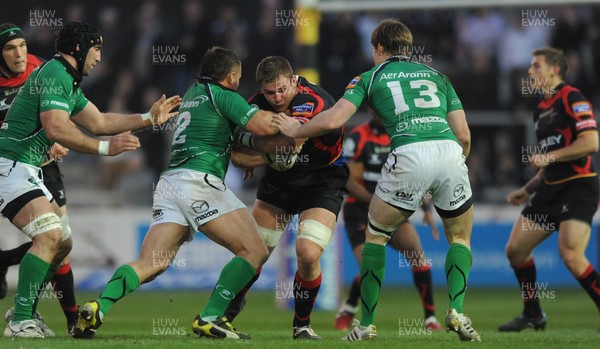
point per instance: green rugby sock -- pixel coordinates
(372, 271)
(32, 272)
(458, 266)
(124, 281)
(234, 276)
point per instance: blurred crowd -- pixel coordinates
(153, 47)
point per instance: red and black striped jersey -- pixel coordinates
(558, 121)
(370, 145)
(309, 101)
(9, 87)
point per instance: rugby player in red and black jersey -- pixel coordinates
(564, 193)
(312, 185)
(15, 66)
(367, 148)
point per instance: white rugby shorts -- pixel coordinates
(415, 169)
(191, 198)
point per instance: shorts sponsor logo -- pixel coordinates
(157, 214)
(458, 190)
(206, 215)
(200, 206)
(383, 190)
(404, 196)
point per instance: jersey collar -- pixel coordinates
(209, 80)
(401, 58)
(77, 78)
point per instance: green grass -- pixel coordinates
(573, 322)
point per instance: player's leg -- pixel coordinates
(573, 239)
(159, 248)
(526, 234)
(62, 281)
(38, 220)
(407, 241)
(272, 222)
(314, 234)
(384, 220)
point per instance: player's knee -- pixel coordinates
(315, 231)
(570, 257)
(308, 254)
(382, 232)
(44, 228)
(511, 252)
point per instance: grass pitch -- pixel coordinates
(163, 320)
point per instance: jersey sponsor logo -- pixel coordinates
(419, 124)
(57, 103)
(552, 140)
(200, 206)
(303, 109)
(354, 82)
(581, 108)
(404, 75)
(455, 101)
(546, 113)
(584, 124)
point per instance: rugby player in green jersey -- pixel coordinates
(191, 196)
(430, 140)
(51, 108)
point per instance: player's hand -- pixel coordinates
(56, 153)
(517, 197)
(122, 142)
(286, 125)
(161, 109)
(539, 161)
(430, 221)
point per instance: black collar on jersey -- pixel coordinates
(209, 80)
(399, 58)
(77, 78)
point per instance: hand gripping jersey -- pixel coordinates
(309, 101)
(412, 99)
(9, 87)
(208, 116)
(557, 122)
(369, 145)
(54, 85)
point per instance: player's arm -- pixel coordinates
(248, 158)
(270, 144)
(355, 182)
(585, 144)
(59, 128)
(261, 124)
(458, 123)
(91, 119)
(324, 122)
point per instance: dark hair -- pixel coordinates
(393, 36)
(272, 67)
(554, 57)
(217, 62)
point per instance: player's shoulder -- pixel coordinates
(573, 94)
(260, 100)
